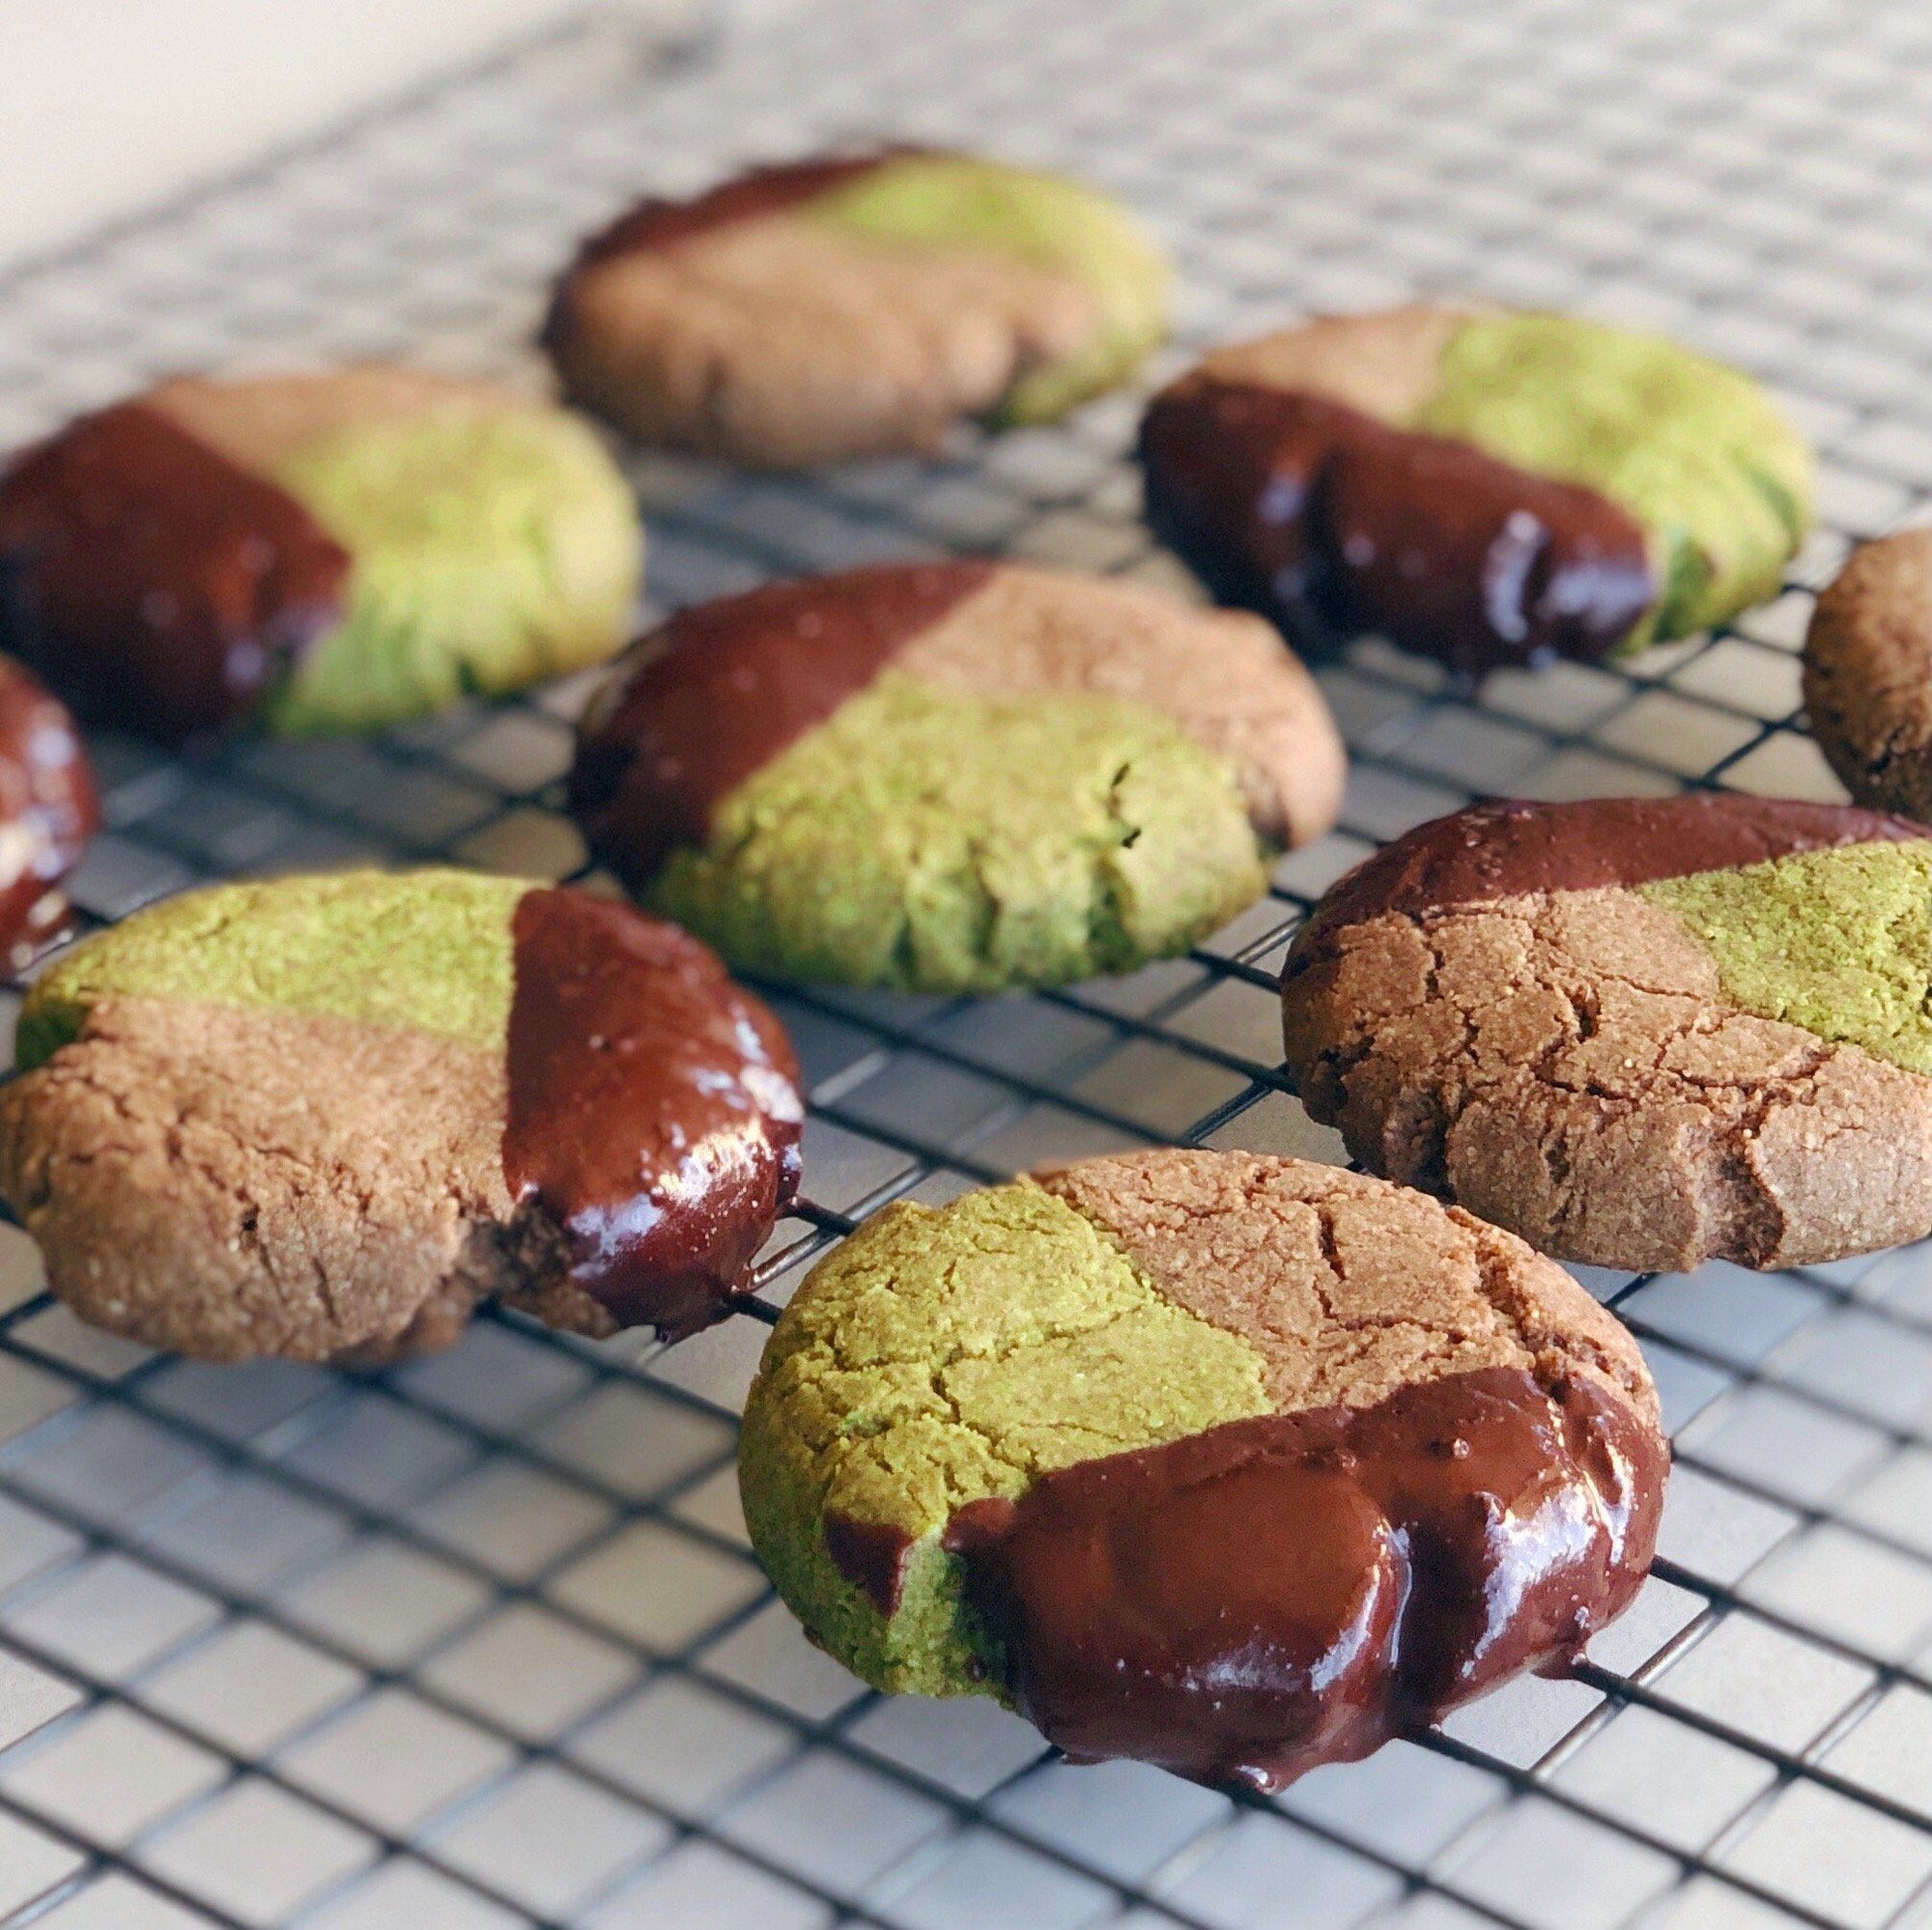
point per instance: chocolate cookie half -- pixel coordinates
(1641, 1032)
(1232, 1463)
(1484, 488)
(855, 305)
(1868, 673)
(325, 1116)
(314, 552)
(952, 777)
(49, 811)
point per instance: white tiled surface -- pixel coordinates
(479, 1643)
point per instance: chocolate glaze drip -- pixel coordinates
(153, 583)
(1251, 1603)
(654, 1109)
(1507, 849)
(717, 693)
(1326, 519)
(870, 1557)
(49, 811)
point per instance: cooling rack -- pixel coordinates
(477, 1642)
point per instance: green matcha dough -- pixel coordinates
(944, 1357)
(934, 842)
(1044, 219)
(1694, 450)
(492, 548)
(1838, 942)
(427, 950)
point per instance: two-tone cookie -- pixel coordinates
(855, 305)
(1641, 1032)
(326, 1115)
(49, 811)
(1868, 673)
(1232, 1463)
(314, 552)
(1484, 488)
(952, 777)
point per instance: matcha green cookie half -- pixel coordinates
(1642, 1033)
(856, 306)
(324, 1116)
(1487, 488)
(1142, 1446)
(315, 553)
(952, 777)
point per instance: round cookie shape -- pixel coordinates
(1641, 1032)
(1868, 673)
(952, 777)
(323, 1116)
(1481, 487)
(49, 811)
(314, 552)
(1153, 1446)
(855, 305)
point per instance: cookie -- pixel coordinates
(1868, 675)
(49, 811)
(324, 1116)
(855, 305)
(314, 552)
(1229, 1462)
(1484, 488)
(952, 777)
(1641, 1032)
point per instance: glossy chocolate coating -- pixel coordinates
(870, 1557)
(155, 585)
(1507, 849)
(654, 1109)
(49, 811)
(1326, 519)
(717, 693)
(1248, 1604)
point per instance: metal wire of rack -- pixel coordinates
(477, 1642)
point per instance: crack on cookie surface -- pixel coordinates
(944, 1359)
(1221, 675)
(1452, 1049)
(934, 841)
(151, 1158)
(1836, 941)
(1395, 1290)
(971, 1365)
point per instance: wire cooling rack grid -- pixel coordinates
(478, 1642)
